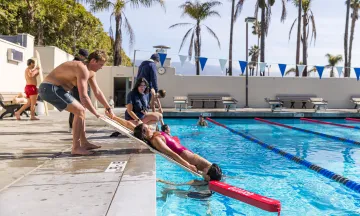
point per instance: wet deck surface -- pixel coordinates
(40, 177)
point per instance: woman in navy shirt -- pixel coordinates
(137, 105)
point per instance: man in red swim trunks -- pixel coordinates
(30, 90)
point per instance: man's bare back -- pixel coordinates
(65, 75)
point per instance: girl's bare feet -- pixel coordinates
(81, 151)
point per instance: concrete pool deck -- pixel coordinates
(40, 177)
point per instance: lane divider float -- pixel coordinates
(327, 173)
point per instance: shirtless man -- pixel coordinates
(55, 90)
(30, 90)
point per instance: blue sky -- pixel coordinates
(151, 27)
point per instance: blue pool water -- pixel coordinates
(247, 165)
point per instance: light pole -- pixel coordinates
(247, 20)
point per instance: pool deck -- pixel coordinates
(40, 177)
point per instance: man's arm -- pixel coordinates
(82, 85)
(99, 94)
(32, 73)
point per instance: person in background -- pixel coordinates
(111, 102)
(137, 105)
(31, 90)
(202, 121)
(155, 101)
(81, 56)
(148, 70)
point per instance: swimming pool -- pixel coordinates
(249, 166)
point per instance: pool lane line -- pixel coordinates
(329, 123)
(353, 119)
(325, 172)
(308, 131)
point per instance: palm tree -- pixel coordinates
(199, 12)
(234, 15)
(308, 18)
(294, 69)
(298, 39)
(254, 54)
(355, 6)
(117, 8)
(265, 7)
(257, 31)
(346, 39)
(333, 61)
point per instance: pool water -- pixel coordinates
(247, 165)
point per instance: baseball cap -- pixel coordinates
(83, 52)
(155, 57)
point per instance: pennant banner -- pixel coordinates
(162, 57)
(243, 65)
(182, 59)
(222, 63)
(357, 72)
(202, 62)
(320, 70)
(301, 68)
(282, 68)
(339, 69)
(262, 66)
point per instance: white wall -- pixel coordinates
(51, 57)
(12, 74)
(336, 90)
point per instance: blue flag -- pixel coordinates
(202, 62)
(162, 57)
(282, 69)
(243, 65)
(320, 70)
(357, 72)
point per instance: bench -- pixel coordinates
(181, 100)
(274, 104)
(7, 102)
(228, 102)
(215, 98)
(319, 103)
(293, 98)
(356, 100)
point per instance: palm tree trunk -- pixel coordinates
(197, 48)
(257, 57)
(304, 74)
(40, 34)
(263, 28)
(231, 37)
(118, 40)
(332, 72)
(346, 38)
(353, 21)
(298, 39)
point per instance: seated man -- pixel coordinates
(167, 145)
(155, 101)
(202, 121)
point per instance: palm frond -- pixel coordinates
(212, 33)
(100, 5)
(256, 9)
(129, 31)
(238, 9)
(180, 24)
(291, 70)
(185, 37)
(313, 35)
(283, 12)
(191, 45)
(146, 3)
(292, 26)
(213, 13)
